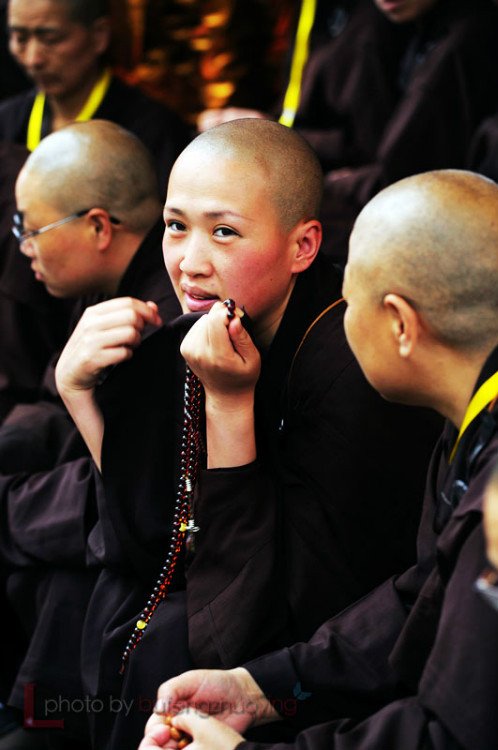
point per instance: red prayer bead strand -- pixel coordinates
(191, 448)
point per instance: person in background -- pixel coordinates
(378, 104)
(89, 221)
(61, 44)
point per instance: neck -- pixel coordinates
(122, 253)
(265, 331)
(66, 108)
(458, 375)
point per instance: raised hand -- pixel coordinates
(223, 356)
(106, 334)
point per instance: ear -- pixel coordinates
(307, 237)
(404, 322)
(101, 31)
(101, 228)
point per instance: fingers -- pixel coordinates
(155, 736)
(207, 733)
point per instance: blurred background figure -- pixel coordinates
(389, 89)
(64, 47)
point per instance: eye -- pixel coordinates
(175, 226)
(225, 232)
(18, 37)
(51, 38)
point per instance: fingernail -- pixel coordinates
(160, 706)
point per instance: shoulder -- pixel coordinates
(132, 104)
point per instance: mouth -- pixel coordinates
(38, 275)
(197, 300)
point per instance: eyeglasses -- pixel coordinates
(21, 236)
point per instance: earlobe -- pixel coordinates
(404, 323)
(308, 240)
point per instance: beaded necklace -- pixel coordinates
(184, 527)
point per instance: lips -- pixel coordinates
(198, 300)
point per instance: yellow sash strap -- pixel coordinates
(90, 107)
(301, 46)
(481, 398)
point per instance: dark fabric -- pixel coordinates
(12, 78)
(159, 128)
(327, 501)
(483, 153)
(348, 90)
(412, 664)
(47, 516)
(373, 128)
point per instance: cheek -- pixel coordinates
(171, 261)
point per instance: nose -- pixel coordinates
(196, 257)
(27, 248)
(32, 57)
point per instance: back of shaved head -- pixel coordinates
(433, 239)
(292, 170)
(96, 164)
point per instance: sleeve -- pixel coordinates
(46, 516)
(453, 707)
(402, 724)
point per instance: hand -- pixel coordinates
(106, 334)
(212, 117)
(232, 696)
(223, 356)
(491, 523)
(207, 733)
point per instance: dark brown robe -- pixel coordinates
(162, 131)
(47, 516)
(333, 456)
(413, 664)
(374, 120)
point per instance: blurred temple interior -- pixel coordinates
(197, 54)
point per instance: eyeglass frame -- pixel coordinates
(18, 219)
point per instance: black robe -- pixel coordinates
(375, 119)
(162, 131)
(413, 664)
(47, 516)
(299, 496)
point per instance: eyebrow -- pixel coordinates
(35, 30)
(208, 214)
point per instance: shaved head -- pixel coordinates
(290, 166)
(96, 164)
(433, 239)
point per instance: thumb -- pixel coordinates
(207, 733)
(240, 338)
(194, 723)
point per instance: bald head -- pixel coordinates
(433, 239)
(96, 164)
(291, 169)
